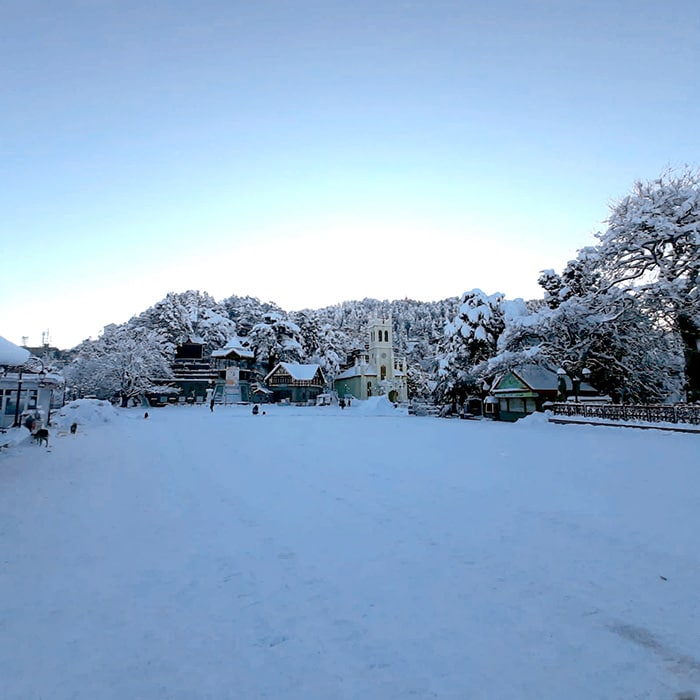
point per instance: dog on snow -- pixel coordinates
(41, 435)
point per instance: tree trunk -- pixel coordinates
(690, 334)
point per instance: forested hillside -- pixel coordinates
(626, 309)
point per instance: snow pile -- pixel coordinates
(14, 437)
(378, 406)
(84, 412)
(12, 355)
(534, 419)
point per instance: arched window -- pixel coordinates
(386, 336)
(383, 372)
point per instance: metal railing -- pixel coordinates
(676, 413)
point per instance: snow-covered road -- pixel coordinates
(319, 553)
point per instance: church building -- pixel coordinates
(375, 371)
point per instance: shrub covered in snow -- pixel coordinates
(84, 412)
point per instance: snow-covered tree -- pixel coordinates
(470, 339)
(276, 339)
(189, 315)
(627, 353)
(652, 248)
(518, 344)
(247, 311)
(123, 362)
(580, 277)
(419, 383)
(330, 351)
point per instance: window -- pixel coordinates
(386, 336)
(383, 372)
(517, 405)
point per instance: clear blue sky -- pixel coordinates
(314, 152)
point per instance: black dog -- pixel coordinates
(73, 428)
(41, 435)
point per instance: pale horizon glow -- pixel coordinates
(313, 154)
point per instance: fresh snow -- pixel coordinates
(300, 372)
(12, 355)
(318, 553)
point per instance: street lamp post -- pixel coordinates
(576, 386)
(561, 384)
(575, 382)
(42, 385)
(19, 393)
(586, 374)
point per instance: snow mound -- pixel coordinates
(13, 437)
(377, 406)
(84, 412)
(534, 419)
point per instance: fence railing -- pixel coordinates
(678, 413)
(422, 409)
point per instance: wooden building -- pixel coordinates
(296, 383)
(193, 372)
(525, 389)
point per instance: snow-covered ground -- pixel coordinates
(320, 553)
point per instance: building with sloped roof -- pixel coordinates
(378, 371)
(296, 383)
(525, 389)
(236, 375)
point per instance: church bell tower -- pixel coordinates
(381, 344)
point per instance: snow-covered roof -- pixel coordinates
(12, 355)
(54, 379)
(257, 389)
(538, 377)
(299, 372)
(357, 371)
(228, 351)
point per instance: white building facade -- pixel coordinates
(26, 389)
